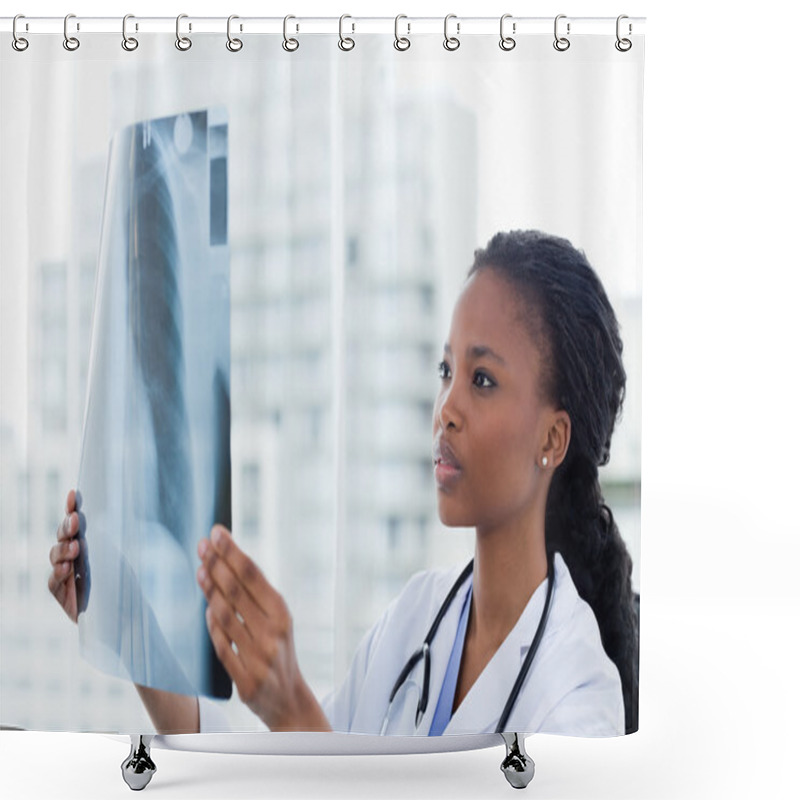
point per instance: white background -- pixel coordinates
(720, 532)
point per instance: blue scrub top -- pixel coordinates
(444, 708)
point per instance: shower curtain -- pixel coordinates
(229, 263)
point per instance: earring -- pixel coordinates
(544, 461)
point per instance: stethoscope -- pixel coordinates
(424, 652)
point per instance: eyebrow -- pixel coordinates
(477, 351)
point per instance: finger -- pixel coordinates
(223, 646)
(71, 501)
(229, 621)
(68, 527)
(66, 551)
(57, 579)
(241, 618)
(215, 576)
(53, 584)
(245, 569)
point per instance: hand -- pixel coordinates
(62, 556)
(251, 629)
(170, 713)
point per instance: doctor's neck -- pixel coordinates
(510, 563)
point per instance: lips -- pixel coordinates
(446, 470)
(443, 454)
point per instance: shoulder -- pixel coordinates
(420, 600)
(572, 616)
(588, 700)
(431, 585)
(573, 624)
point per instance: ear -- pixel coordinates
(557, 438)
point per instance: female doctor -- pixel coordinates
(539, 632)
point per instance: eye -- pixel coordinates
(482, 380)
(482, 376)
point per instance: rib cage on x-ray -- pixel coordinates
(154, 303)
(155, 462)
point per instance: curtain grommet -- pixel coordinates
(346, 43)
(19, 43)
(183, 43)
(71, 43)
(129, 43)
(401, 43)
(289, 44)
(507, 43)
(233, 44)
(451, 43)
(561, 43)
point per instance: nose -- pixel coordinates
(448, 409)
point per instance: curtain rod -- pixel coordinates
(328, 25)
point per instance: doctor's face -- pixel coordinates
(491, 417)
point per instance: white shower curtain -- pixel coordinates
(358, 186)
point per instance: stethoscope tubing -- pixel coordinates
(537, 638)
(423, 652)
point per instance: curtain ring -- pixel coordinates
(290, 45)
(561, 43)
(70, 42)
(18, 42)
(506, 42)
(234, 45)
(345, 42)
(451, 42)
(182, 42)
(129, 43)
(623, 45)
(401, 42)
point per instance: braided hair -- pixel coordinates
(565, 310)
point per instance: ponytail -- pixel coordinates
(581, 527)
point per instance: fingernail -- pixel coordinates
(201, 576)
(216, 535)
(202, 548)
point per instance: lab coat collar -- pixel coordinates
(480, 710)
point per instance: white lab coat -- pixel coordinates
(572, 688)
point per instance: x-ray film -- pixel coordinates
(155, 461)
